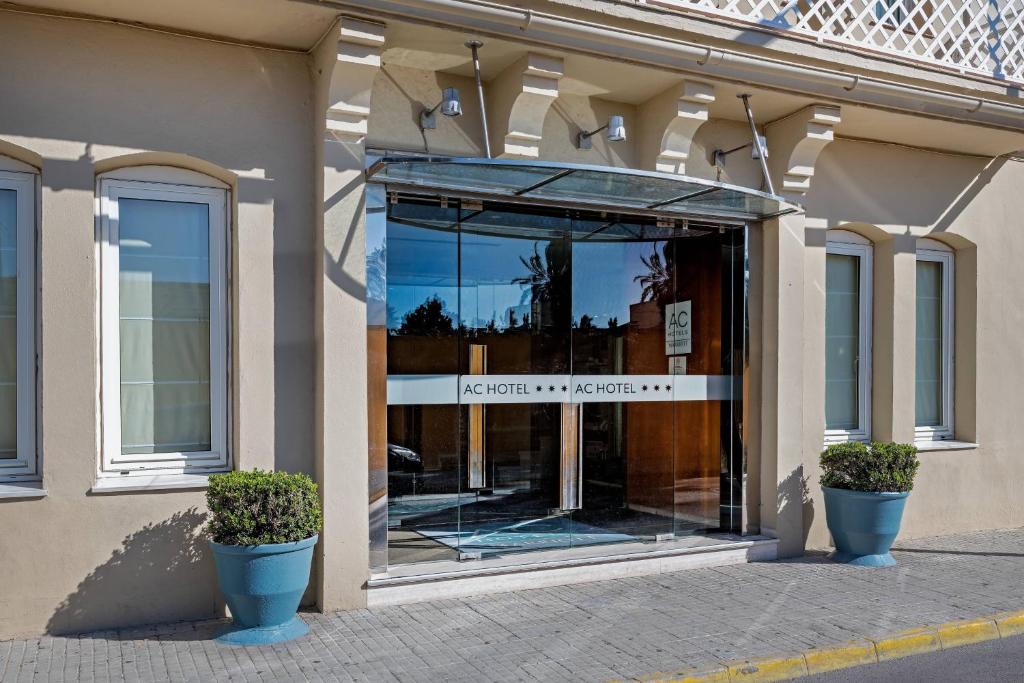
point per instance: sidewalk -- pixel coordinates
(619, 629)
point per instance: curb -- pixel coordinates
(914, 641)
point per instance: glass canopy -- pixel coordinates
(600, 188)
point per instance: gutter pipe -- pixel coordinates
(632, 46)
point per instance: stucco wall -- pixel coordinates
(80, 95)
(893, 195)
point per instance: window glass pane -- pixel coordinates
(8, 324)
(842, 341)
(165, 326)
(928, 384)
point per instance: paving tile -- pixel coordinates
(591, 632)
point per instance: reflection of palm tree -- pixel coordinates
(376, 274)
(547, 282)
(657, 281)
(546, 273)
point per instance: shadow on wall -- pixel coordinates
(863, 182)
(795, 502)
(169, 562)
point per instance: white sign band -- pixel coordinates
(490, 389)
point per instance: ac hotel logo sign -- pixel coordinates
(678, 331)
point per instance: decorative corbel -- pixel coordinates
(669, 122)
(794, 143)
(357, 62)
(518, 101)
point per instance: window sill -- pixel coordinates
(24, 489)
(833, 440)
(945, 445)
(150, 482)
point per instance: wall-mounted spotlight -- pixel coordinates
(449, 106)
(616, 133)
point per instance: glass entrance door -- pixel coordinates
(515, 321)
(557, 379)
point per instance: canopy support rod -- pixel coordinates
(762, 153)
(542, 183)
(681, 198)
(475, 45)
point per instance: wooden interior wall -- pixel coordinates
(673, 450)
(377, 408)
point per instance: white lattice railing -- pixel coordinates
(973, 36)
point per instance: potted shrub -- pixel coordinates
(263, 526)
(866, 488)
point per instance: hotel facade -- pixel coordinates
(538, 294)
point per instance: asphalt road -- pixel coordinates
(995, 660)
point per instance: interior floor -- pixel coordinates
(496, 523)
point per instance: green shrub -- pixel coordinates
(254, 508)
(879, 467)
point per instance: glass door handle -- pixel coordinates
(477, 465)
(571, 464)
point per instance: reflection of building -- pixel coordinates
(252, 129)
(646, 315)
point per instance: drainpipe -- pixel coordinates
(548, 30)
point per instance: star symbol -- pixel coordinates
(551, 388)
(540, 388)
(668, 387)
(565, 388)
(657, 387)
(644, 387)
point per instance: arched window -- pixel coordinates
(18, 459)
(164, 332)
(933, 376)
(848, 274)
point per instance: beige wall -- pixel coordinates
(893, 195)
(400, 94)
(78, 95)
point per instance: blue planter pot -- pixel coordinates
(263, 585)
(863, 525)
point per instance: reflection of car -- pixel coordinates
(402, 459)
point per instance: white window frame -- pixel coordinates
(25, 465)
(933, 250)
(112, 462)
(852, 244)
